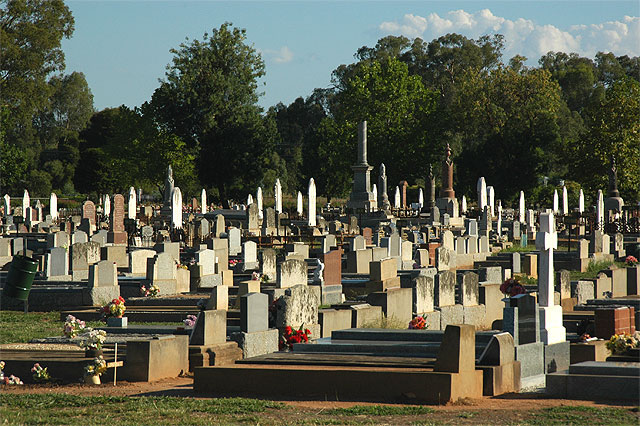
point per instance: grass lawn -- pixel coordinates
(17, 327)
(57, 408)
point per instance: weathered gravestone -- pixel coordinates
(117, 234)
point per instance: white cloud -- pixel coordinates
(280, 56)
(523, 36)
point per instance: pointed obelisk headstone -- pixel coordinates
(481, 188)
(312, 202)
(299, 205)
(277, 191)
(203, 201)
(53, 206)
(132, 206)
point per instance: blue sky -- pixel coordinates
(122, 47)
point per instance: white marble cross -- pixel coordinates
(546, 242)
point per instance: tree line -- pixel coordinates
(521, 127)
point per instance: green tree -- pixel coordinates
(31, 32)
(614, 130)
(509, 122)
(209, 99)
(396, 107)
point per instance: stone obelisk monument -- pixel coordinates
(361, 196)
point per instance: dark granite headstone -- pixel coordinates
(528, 323)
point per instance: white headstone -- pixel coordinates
(556, 202)
(53, 206)
(259, 201)
(581, 202)
(499, 221)
(521, 208)
(107, 205)
(546, 242)
(176, 208)
(491, 200)
(203, 201)
(481, 188)
(420, 198)
(551, 328)
(7, 204)
(277, 193)
(396, 198)
(299, 206)
(463, 207)
(249, 200)
(26, 201)
(600, 208)
(374, 190)
(131, 207)
(312, 202)
(565, 201)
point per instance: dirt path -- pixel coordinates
(183, 387)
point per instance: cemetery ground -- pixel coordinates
(173, 401)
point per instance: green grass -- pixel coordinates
(583, 416)
(18, 327)
(381, 410)
(593, 269)
(57, 408)
(517, 248)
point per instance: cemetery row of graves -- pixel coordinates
(432, 301)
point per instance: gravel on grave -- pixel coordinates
(42, 347)
(111, 338)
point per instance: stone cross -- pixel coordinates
(551, 329)
(546, 242)
(312, 202)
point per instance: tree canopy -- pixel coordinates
(518, 126)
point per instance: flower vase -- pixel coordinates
(92, 353)
(93, 379)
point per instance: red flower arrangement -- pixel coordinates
(291, 337)
(418, 323)
(512, 287)
(630, 260)
(115, 308)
